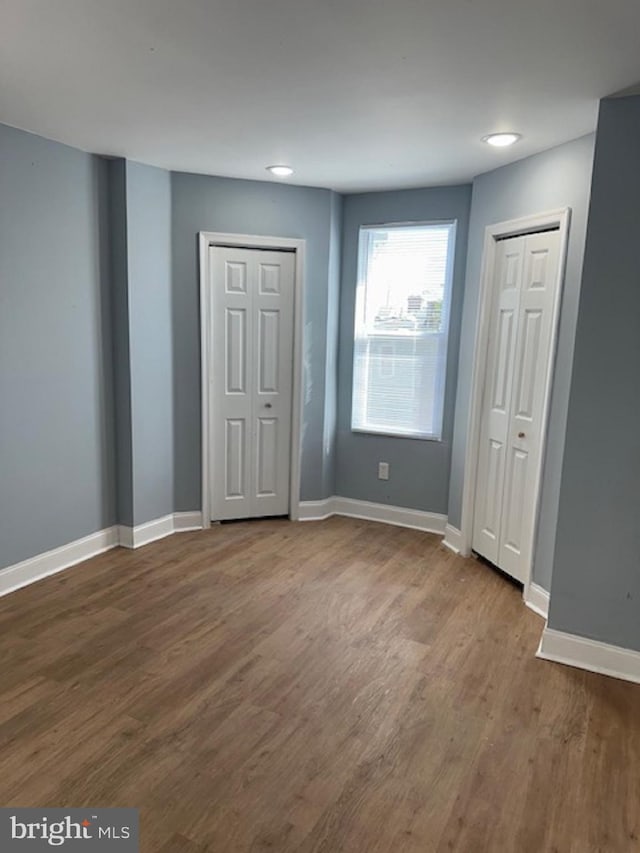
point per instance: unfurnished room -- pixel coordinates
(319, 426)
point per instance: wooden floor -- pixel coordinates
(332, 686)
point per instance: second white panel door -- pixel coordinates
(251, 374)
(518, 358)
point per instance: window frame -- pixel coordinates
(359, 308)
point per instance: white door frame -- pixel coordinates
(511, 228)
(251, 241)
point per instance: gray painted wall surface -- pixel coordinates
(331, 366)
(202, 203)
(419, 470)
(56, 417)
(560, 177)
(119, 281)
(150, 340)
(595, 589)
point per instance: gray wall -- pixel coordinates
(202, 203)
(560, 177)
(121, 367)
(150, 340)
(140, 283)
(596, 580)
(331, 364)
(56, 416)
(419, 470)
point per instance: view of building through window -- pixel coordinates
(406, 277)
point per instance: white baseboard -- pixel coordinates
(537, 599)
(125, 536)
(589, 654)
(41, 566)
(430, 522)
(143, 534)
(158, 528)
(316, 510)
(453, 539)
(183, 521)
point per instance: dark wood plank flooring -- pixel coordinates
(320, 687)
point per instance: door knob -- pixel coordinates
(520, 435)
(268, 406)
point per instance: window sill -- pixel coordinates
(390, 434)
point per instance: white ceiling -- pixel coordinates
(354, 94)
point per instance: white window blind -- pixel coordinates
(401, 328)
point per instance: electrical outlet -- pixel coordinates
(383, 470)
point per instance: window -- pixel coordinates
(401, 328)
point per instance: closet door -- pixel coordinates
(518, 361)
(251, 375)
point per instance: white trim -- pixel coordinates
(416, 519)
(41, 566)
(452, 539)
(316, 510)
(537, 599)
(158, 528)
(143, 534)
(430, 522)
(125, 536)
(525, 225)
(588, 654)
(184, 521)
(252, 241)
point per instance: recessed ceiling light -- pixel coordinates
(280, 171)
(501, 140)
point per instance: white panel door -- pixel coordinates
(511, 430)
(251, 375)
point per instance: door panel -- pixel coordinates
(235, 277)
(533, 359)
(235, 469)
(528, 367)
(267, 459)
(491, 506)
(273, 304)
(504, 347)
(515, 501)
(494, 426)
(268, 351)
(236, 350)
(269, 279)
(538, 266)
(231, 409)
(251, 373)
